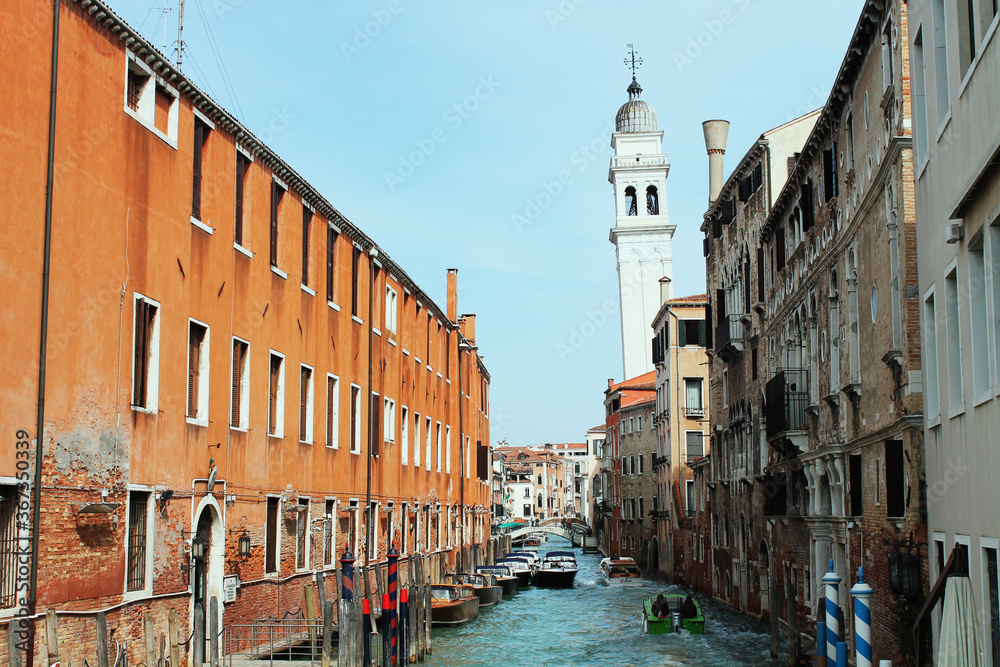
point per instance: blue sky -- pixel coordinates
(443, 129)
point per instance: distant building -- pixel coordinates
(536, 482)
(590, 491)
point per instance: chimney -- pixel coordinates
(469, 328)
(452, 304)
(716, 133)
(664, 289)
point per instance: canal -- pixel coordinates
(594, 624)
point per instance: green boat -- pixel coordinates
(670, 619)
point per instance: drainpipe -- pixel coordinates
(44, 328)
(372, 255)
(461, 444)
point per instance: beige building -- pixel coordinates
(956, 138)
(680, 422)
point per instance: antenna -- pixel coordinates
(631, 61)
(180, 33)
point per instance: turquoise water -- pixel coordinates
(594, 624)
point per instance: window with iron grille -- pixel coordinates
(137, 81)
(8, 546)
(271, 537)
(138, 522)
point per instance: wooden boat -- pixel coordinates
(504, 577)
(558, 569)
(529, 555)
(484, 585)
(532, 541)
(453, 605)
(519, 567)
(621, 572)
(670, 619)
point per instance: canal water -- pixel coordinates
(595, 624)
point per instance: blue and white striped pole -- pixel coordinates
(831, 580)
(862, 592)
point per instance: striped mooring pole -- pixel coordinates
(832, 581)
(386, 632)
(347, 572)
(393, 557)
(862, 592)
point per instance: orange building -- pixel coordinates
(224, 355)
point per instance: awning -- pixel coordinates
(959, 644)
(512, 524)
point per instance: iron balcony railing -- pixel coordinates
(694, 411)
(787, 397)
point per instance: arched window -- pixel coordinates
(631, 208)
(652, 201)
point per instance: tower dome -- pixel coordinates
(635, 115)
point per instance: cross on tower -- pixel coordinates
(631, 61)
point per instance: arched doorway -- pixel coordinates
(206, 574)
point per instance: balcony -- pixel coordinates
(660, 460)
(729, 338)
(638, 161)
(787, 396)
(694, 411)
(604, 507)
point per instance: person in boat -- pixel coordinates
(659, 606)
(688, 608)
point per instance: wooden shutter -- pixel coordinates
(303, 391)
(141, 360)
(241, 168)
(482, 460)
(375, 423)
(681, 333)
(760, 273)
(708, 318)
(779, 248)
(194, 348)
(702, 333)
(199, 143)
(306, 218)
(272, 394)
(275, 193)
(234, 412)
(331, 239)
(355, 269)
(329, 411)
(806, 202)
(746, 283)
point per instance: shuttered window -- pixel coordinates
(779, 248)
(145, 330)
(355, 269)
(275, 396)
(760, 273)
(137, 529)
(856, 488)
(355, 419)
(271, 537)
(242, 163)
(306, 220)
(276, 194)
(200, 134)
(374, 423)
(830, 173)
(806, 203)
(197, 367)
(332, 410)
(895, 482)
(305, 404)
(238, 386)
(331, 244)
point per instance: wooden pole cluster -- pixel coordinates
(156, 648)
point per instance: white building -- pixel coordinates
(955, 87)
(642, 233)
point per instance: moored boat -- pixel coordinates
(558, 569)
(484, 585)
(519, 567)
(621, 572)
(504, 577)
(453, 605)
(676, 612)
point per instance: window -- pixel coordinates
(370, 520)
(242, 166)
(693, 405)
(931, 394)
(355, 419)
(302, 534)
(895, 479)
(276, 396)
(347, 525)
(691, 332)
(138, 530)
(954, 332)
(375, 424)
(240, 394)
(849, 147)
(689, 496)
(332, 411)
(355, 269)
(982, 369)
(271, 537)
(966, 34)
(991, 596)
(331, 248)
(305, 404)
(631, 207)
(779, 247)
(919, 96)
(329, 548)
(197, 388)
(277, 192)
(639, 459)
(695, 445)
(416, 439)
(526, 510)
(427, 444)
(631, 464)
(638, 424)
(150, 101)
(856, 485)
(201, 131)
(447, 448)
(887, 59)
(404, 423)
(307, 215)
(146, 352)
(8, 546)
(830, 173)
(390, 310)
(652, 201)
(941, 62)
(390, 420)
(540, 500)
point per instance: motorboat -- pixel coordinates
(504, 577)
(621, 572)
(527, 554)
(558, 569)
(519, 567)
(672, 615)
(484, 585)
(453, 604)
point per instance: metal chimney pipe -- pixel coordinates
(716, 134)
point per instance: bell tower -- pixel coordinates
(642, 233)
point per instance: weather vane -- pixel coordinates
(631, 61)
